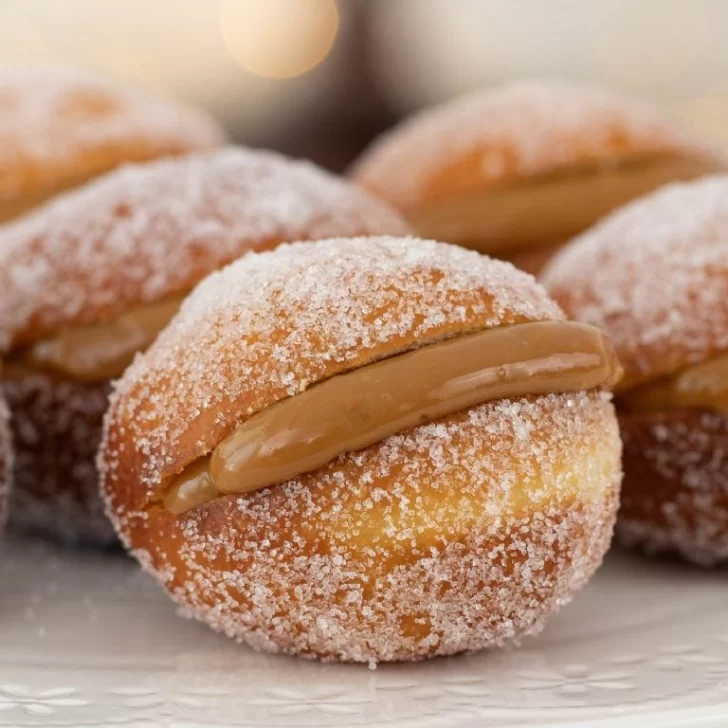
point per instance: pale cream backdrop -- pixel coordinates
(263, 63)
(672, 51)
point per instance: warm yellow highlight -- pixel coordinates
(279, 38)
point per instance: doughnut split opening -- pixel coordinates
(356, 409)
(703, 386)
(456, 534)
(654, 276)
(90, 279)
(519, 215)
(97, 352)
(517, 170)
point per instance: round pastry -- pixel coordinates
(654, 276)
(59, 128)
(517, 171)
(367, 450)
(91, 278)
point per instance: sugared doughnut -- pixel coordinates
(516, 171)
(654, 276)
(367, 450)
(60, 127)
(91, 278)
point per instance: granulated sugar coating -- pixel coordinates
(453, 536)
(59, 127)
(654, 276)
(138, 235)
(270, 325)
(675, 495)
(6, 461)
(56, 428)
(517, 131)
(146, 232)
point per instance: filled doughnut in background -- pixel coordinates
(61, 127)
(654, 276)
(516, 171)
(367, 450)
(89, 280)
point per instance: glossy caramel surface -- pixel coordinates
(356, 409)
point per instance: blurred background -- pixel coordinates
(320, 78)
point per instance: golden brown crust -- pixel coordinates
(654, 276)
(59, 128)
(57, 428)
(675, 489)
(134, 237)
(272, 324)
(515, 133)
(146, 233)
(453, 536)
(450, 537)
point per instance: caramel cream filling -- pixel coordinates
(506, 219)
(703, 385)
(354, 410)
(99, 351)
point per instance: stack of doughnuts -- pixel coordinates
(61, 127)
(515, 172)
(91, 278)
(367, 450)
(654, 276)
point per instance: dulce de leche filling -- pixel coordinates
(511, 218)
(703, 385)
(98, 351)
(354, 410)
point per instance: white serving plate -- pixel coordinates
(86, 639)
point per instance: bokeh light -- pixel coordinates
(279, 38)
(174, 47)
